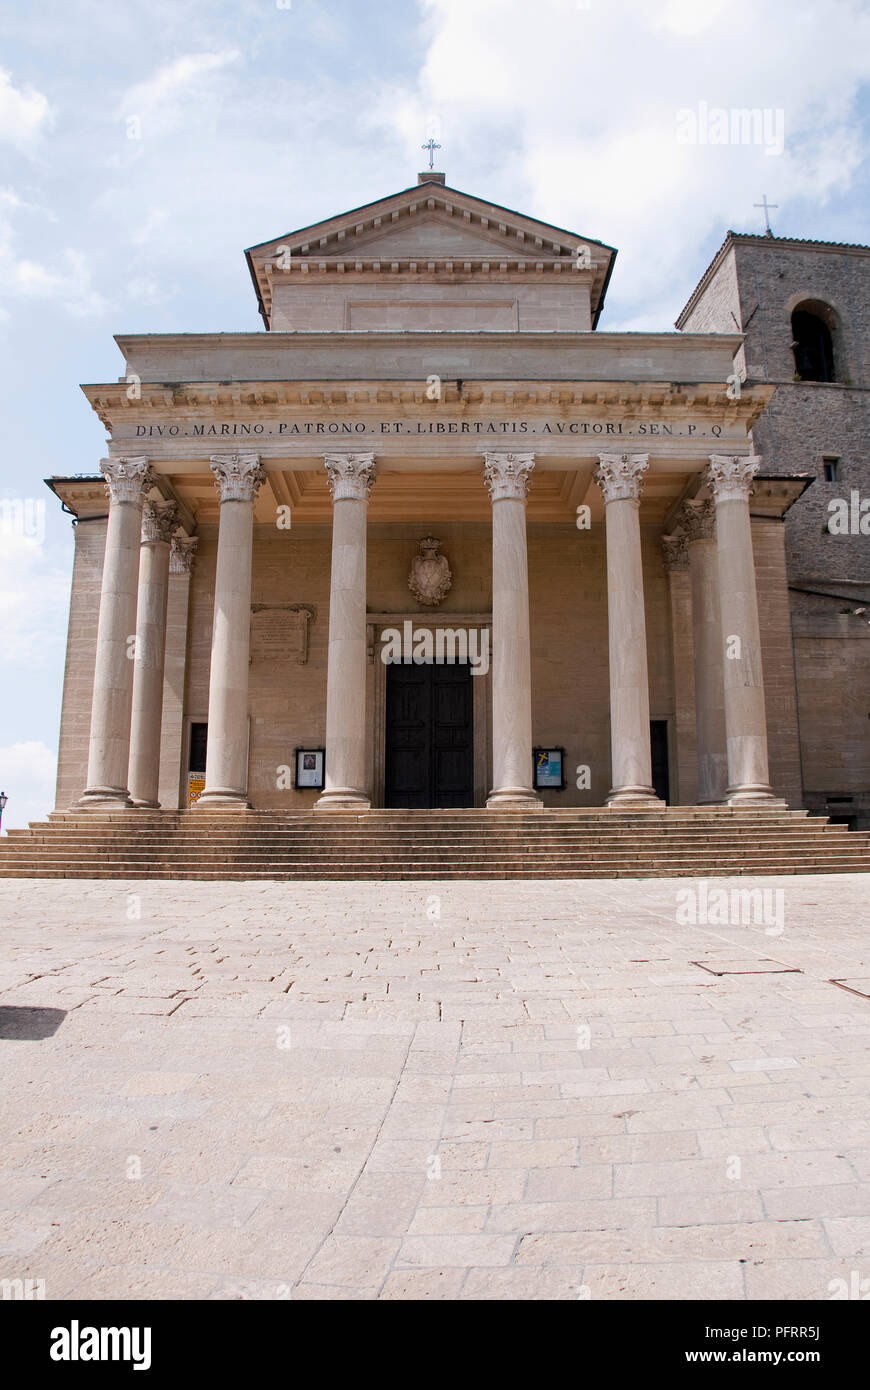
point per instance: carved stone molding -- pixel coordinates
(182, 554)
(430, 579)
(698, 519)
(279, 632)
(350, 476)
(159, 520)
(238, 477)
(620, 476)
(730, 476)
(507, 475)
(675, 551)
(127, 479)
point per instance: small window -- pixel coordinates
(831, 468)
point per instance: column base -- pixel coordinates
(145, 805)
(755, 795)
(514, 799)
(104, 799)
(343, 799)
(222, 799)
(643, 797)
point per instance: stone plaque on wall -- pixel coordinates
(279, 632)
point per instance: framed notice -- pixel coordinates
(195, 787)
(309, 768)
(549, 768)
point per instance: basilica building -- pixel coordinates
(431, 540)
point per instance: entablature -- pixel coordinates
(271, 409)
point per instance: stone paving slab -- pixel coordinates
(525, 1090)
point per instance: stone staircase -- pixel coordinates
(472, 844)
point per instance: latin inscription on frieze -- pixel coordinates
(281, 429)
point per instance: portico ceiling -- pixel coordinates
(426, 498)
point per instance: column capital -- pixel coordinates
(730, 476)
(127, 479)
(350, 476)
(620, 476)
(238, 477)
(159, 520)
(675, 550)
(182, 553)
(507, 475)
(698, 519)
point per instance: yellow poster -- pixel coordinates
(195, 787)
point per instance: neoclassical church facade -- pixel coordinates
(432, 540)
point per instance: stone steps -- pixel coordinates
(415, 820)
(426, 873)
(473, 844)
(284, 846)
(291, 840)
(463, 861)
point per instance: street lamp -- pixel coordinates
(3, 799)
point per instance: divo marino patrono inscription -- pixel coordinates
(236, 429)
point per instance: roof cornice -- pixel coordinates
(200, 399)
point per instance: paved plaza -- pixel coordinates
(526, 1090)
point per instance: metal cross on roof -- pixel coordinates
(767, 206)
(431, 145)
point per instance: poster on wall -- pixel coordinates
(195, 787)
(549, 768)
(309, 768)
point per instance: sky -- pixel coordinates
(143, 147)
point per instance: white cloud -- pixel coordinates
(27, 776)
(66, 282)
(578, 112)
(24, 112)
(165, 98)
(155, 218)
(34, 593)
(688, 16)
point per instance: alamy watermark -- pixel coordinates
(849, 518)
(732, 125)
(420, 646)
(735, 907)
(22, 1290)
(23, 517)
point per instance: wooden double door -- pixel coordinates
(429, 743)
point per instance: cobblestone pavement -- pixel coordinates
(487, 1090)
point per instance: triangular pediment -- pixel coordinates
(430, 222)
(435, 234)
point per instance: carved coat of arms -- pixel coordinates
(430, 578)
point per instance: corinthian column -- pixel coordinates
(350, 478)
(507, 477)
(699, 520)
(182, 553)
(620, 477)
(238, 478)
(127, 481)
(158, 523)
(683, 756)
(730, 480)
